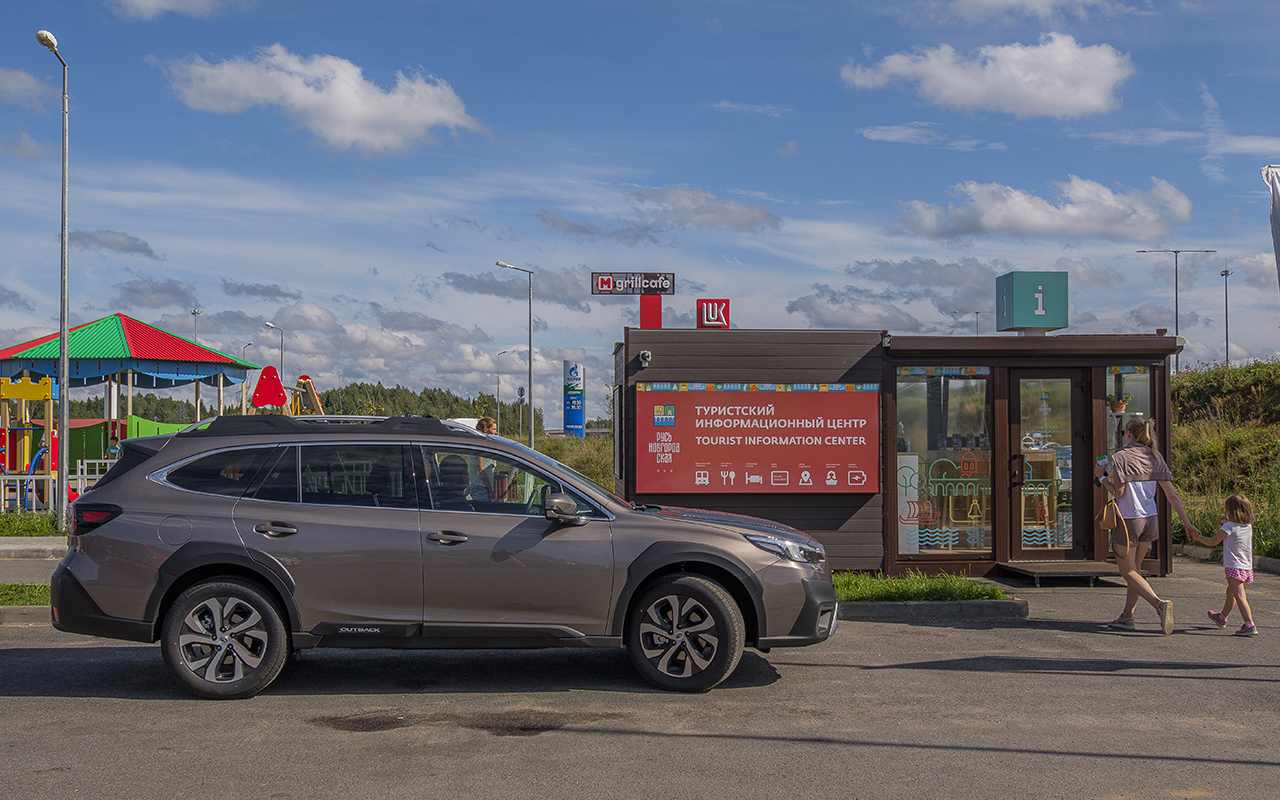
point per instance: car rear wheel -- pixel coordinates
(224, 639)
(685, 634)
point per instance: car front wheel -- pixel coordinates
(685, 633)
(224, 639)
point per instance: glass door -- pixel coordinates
(1049, 464)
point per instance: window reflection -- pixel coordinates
(944, 459)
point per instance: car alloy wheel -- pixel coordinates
(685, 633)
(224, 639)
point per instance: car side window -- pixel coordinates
(369, 475)
(280, 483)
(470, 480)
(226, 473)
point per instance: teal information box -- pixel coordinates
(1031, 301)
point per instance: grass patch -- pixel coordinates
(24, 594)
(913, 585)
(27, 523)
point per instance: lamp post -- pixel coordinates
(281, 330)
(1175, 289)
(64, 369)
(244, 384)
(528, 272)
(195, 337)
(976, 317)
(498, 358)
(1226, 315)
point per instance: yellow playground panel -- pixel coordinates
(20, 392)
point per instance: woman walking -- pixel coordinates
(1137, 470)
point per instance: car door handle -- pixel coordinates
(447, 537)
(275, 528)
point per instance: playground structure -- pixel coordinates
(26, 474)
(118, 351)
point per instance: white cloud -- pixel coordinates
(756, 109)
(23, 147)
(690, 207)
(923, 133)
(1086, 208)
(327, 94)
(1056, 78)
(150, 9)
(850, 308)
(24, 89)
(114, 241)
(983, 10)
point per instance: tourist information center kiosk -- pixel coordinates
(939, 453)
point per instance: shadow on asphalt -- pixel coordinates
(138, 673)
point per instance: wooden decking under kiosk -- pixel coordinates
(1063, 569)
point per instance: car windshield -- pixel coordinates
(549, 461)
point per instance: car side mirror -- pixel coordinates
(562, 508)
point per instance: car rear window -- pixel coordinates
(227, 473)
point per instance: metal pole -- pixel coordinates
(195, 337)
(1177, 331)
(1226, 316)
(64, 366)
(244, 384)
(528, 272)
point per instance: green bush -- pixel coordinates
(26, 523)
(1226, 440)
(24, 594)
(912, 585)
(592, 456)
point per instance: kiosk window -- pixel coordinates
(943, 477)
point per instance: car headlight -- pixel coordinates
(808, 552)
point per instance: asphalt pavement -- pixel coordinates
(1052, 706)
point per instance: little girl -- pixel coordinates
(1236, 534)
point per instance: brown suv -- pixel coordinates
(242, 539)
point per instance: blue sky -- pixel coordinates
(352, 171)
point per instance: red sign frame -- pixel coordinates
(757, 438)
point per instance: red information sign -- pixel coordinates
(773, 438)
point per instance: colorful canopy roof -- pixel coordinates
(99, 350)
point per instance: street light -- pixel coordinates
(195, 331)
(528, 272)
(1175, 289)
(278, 328)
(244, 384)
(1226, 314)
(64, 367)
(498, 358)
(976, 317)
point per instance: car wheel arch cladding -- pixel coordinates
(202, 561)
(662, 559)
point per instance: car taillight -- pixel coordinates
(88, 516)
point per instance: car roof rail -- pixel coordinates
(242, 425)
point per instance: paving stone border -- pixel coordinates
(913, 610)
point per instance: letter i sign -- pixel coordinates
(713, 313)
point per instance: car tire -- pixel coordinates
(685, 634)
(224, 639)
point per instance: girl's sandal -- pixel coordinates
(1122, 624)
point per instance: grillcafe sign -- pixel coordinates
(633, 283)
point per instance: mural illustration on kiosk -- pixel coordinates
(759, 438)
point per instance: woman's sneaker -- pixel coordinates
(1247, 630)
(1218, 619)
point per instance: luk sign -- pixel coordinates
(757, 438)
(713, 313)
(633, 283)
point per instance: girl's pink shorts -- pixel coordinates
(1242, 575)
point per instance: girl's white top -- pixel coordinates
(1237, 546)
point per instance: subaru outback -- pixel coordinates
(242, 540)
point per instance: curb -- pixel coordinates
(25, 615)
(33, 546)
(1260, 563)
(913, 610)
